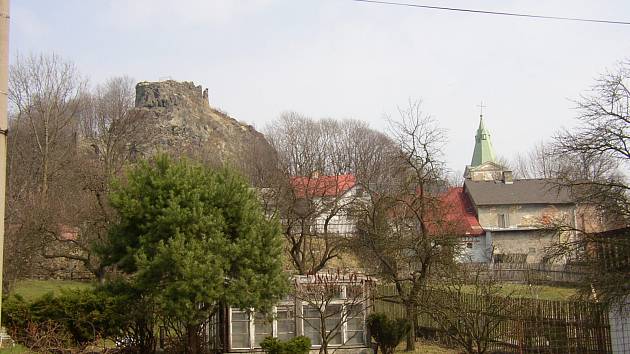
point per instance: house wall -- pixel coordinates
(341, 222)
(521, 233)
(530, 242)
(521, 216)
(480, 250)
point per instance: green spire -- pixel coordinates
(483, 147)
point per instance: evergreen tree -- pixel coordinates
(194, 239)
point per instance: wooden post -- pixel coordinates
(4, 88)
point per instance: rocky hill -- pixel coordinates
(182, 120)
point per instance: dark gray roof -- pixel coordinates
(523, 191)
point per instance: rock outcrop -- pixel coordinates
(182, 120)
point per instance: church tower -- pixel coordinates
(484, 166)
(483, 146)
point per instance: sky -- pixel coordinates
(347, 59)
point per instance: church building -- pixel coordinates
(512, 212)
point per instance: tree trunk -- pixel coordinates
(192, 340)
(411, 337)
(100, 275)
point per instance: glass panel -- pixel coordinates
(311, 312)
(355, 337)
(312, 324)
(354, 326)
(285, 318)
(262, 327)
(333, 323)
(240, 316)
(336, 338)
(240, 329)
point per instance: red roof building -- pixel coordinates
(322, 186)
(460, 210)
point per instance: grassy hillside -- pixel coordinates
(31, 289)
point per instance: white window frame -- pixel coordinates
(344, 325)
(298, 308)
(250, 324)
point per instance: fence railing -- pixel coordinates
(533, 272)
(521, 326)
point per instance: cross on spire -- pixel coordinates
(481, 107)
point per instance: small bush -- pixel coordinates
(387, 332)
(73, 318)
(297, 345)
(76, 318)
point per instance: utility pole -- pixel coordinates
(4, 126)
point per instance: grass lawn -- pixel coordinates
(543, 292)
(423, 347)
(18, 349)
(32, 289)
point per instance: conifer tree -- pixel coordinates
(194, 239)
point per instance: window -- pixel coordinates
(333, 324)
(469, 245)
(240, 329)
(312, 324)
(532, 250)
(262, 327)
(344, 320)
(503, 220)
(354, 325)
(285, 317)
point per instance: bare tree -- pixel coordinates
(318, 177)
(112, 132)
(468, 307)
(545, 161)
(601, 141)
(65, 146)
(46, 99)
(404, 234)
(45, 92)
(115, 131)
(603, 135)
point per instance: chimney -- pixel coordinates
(507, 177)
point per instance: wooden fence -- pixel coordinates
(534, 273)
(523, 326)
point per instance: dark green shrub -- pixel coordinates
(387, 332)
(297, 345)
(272, 345)
(77, 317)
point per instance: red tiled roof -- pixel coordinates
(460, 210)
(322, 186)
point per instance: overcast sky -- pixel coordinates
(345, 59)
